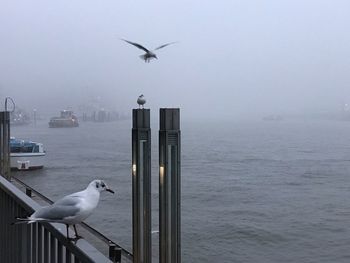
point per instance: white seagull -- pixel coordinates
(71, 209)
(141, 101)
(149, 54)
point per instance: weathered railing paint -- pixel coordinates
(37, 242)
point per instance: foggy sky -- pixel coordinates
(234, 58)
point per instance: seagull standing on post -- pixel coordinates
(149, 54)
(141, 101)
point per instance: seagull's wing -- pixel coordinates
(55, 212)
(69, 200)
(136, 45)
(165, 45)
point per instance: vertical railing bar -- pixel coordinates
(8, 235)
(118, 255)
(53, 249)
(59, 252)
(9, 257)
(46, 245)
(76, 259)
(68, 256)
(12, 231)
(29, 243)
(1, 225)
(5, 237)
(3, 201)
(34, 242)
(10, 239)
(25, 240)
(40, 243)
(22, 237)
(18, 234)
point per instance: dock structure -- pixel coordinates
(141, 186)
(169, 186)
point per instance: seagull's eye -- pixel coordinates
(97, 185)
(103, 185)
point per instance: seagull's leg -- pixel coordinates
(76, 232)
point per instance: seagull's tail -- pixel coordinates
(22, 221)
(26, 221)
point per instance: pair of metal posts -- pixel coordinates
(5, 144)
(169, 186)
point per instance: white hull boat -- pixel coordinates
(26, 155)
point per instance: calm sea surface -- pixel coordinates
(251, 191)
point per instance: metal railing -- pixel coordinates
(116, 252)
(37, 242)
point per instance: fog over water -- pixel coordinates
(233, 58)
(252, 190)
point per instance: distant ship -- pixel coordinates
(67, 119)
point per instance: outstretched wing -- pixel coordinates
(164, 45)
(137, 45)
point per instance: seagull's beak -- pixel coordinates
(110, 190)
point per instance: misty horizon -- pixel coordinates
(233, 59)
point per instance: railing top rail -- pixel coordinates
(81, 248)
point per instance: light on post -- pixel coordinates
(134, 169)
(161, 171)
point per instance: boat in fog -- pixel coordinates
(26, 155)
(67, 119)
(19, 117)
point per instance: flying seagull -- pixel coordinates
(149, 54)
(71, 209)
(141, 101)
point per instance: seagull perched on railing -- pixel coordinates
(71, 209)
(141, 101)
(149, 54)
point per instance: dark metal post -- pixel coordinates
(169, 186)
(141, 186)
(28, 192)
(5, 144)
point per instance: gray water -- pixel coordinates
(251, 191)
